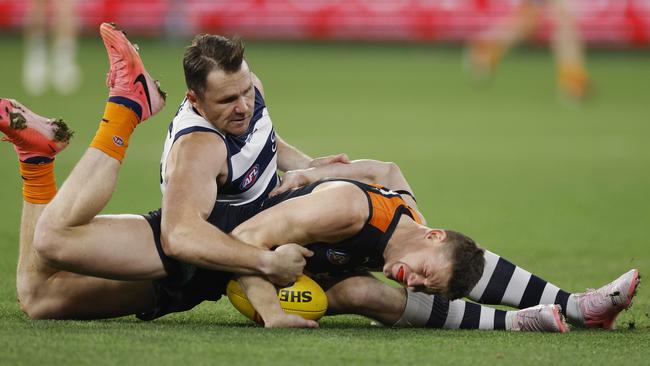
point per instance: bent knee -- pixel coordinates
(48, 243)
(39, 307)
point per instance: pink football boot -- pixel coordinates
(599, 308)
(36, 139)
(128, 81)
(540, 318)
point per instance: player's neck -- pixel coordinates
(407, 235)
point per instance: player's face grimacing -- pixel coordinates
(228, 101)
(427, 269)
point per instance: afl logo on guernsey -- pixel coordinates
(250, 177)
(338, 258)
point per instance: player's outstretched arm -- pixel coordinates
(365, 170)
(369, 171)
(192, 170)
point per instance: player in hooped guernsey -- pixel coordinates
(252, 156)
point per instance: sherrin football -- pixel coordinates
(305, 298)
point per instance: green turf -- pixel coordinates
(562, 190)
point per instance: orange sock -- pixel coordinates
(114, 131)
(39, 185)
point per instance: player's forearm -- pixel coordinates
(386, 174)
(290, 158)
(205, 246)
(263, 296)
(390, 175)
(367, 171)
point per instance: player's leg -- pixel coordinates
(35, 66)
(504, 283)
(362, 294)
(68, 233)
(48, 293)
(367, 296)
(572, 76)
(66, 75)
(45, 292)
(486, 50)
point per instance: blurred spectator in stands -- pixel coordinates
(486, 50)
(60, 67)
(179, 24)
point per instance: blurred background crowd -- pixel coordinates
(488, 28)
(602, 22)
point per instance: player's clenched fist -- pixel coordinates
(286, 263)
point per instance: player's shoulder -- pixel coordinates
(206, 148)
(188, 120)
(352, 201)
(201, 141)
(204, 154)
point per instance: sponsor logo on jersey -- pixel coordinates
(250, 177)
(338, 258)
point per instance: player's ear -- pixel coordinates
(437, 235)
(192, 97)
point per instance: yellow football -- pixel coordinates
(305, 298)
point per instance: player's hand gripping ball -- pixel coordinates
(305, 298)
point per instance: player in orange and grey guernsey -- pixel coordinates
(354, 228)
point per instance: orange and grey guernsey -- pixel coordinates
(384, 207)
(364, 251)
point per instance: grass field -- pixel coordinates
(561, 190)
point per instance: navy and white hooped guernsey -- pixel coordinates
(252, 156)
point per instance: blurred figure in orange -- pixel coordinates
(486, 50)
(60, 68)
